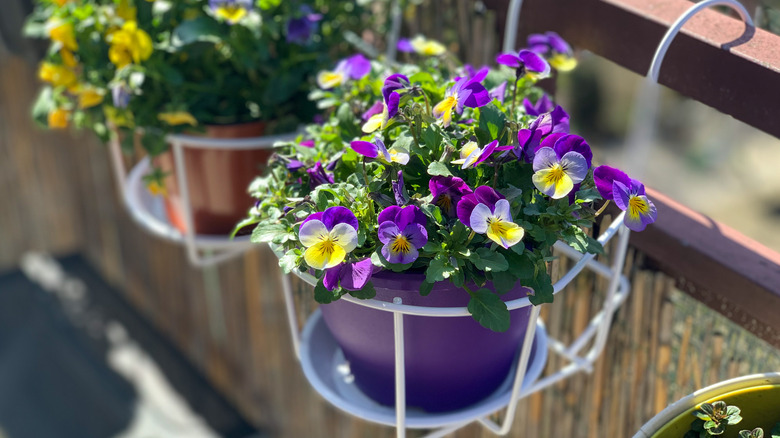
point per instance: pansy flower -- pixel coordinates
(403, 233)
(631, 198)
(300, 29)
(350, 276)
(399, 193)
(318, 176)
(555, 121)
(471, 154)
(523, 62)
(605, 176)
(487, 212)
(390, 92)
(465, 92)
(426, 47)
(328, 237)
(231, 11)
(447, 191)
(354, 67)
(405, 45)
(552, 46)
(556, 174)
(543, 105)
(120, 96)
(498, 92)
(377, 149)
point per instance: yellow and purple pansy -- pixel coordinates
(487, 212)
(628, 194)
(301, 28)
(354, 67)
(232, 11)
(377, 149)
(464, 93)
(557, 169)
(447, 192)
(403, 233)
(523, 62)
(328, 237)
(554, 48)
(471, 154)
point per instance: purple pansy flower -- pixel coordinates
(399, 193)
(405, 45)
(477, 75)
(390, 94)
(318, 176)
(402, 230)
(307, 143)
(482, 195)
(351, 276)
(499, 92)
(328, 237)
(447, 192)
(543, 105)
(120, 96)
(471, 154)
(563, 143)
(557, 51)
(299, 30)
(605, 176)
(377, 149)
(555, 121)
(294, 165)
(523, 62)
(375, 109)
(631, 198)
(465, 92)
(354, 67)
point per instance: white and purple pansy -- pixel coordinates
(464, 93)
(377, 149)
(628, 194)
(556, 174)
(403, 233)
(487, 212)
(471, 154)
(354, 67)
(328, 237)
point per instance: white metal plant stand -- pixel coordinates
(324, 366)
(148, 212)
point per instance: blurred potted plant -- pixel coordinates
(434, 183)
(745, 407)
(221, 68)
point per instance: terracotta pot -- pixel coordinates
(451, 363)
(757, 395)
(217, 180)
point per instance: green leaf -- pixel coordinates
(503, 282)
(492, 120)
(265, 233)
(775, 433)
(438, 270)
(434, 213)
(580, 241)
(542, 286)
(489, 261)
(366, 293)
(290, 260)
(200, 29)
(437, 168)
(421, 78)
(587, 195)
(244, 223)
(489, 311)
(325, 296)
(426, 288)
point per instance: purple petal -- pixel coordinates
(533, 62)
(405, 45)
(294, 165)
(479, 75)
(388, 214)
(550, 140)
(604, 176)
(545, 158)
(416, 234)
(357, 66)
(479, 95)
(620, 194)
(354, 276)
(314, 216)
(636, 187)
(465, 207)
(499, 92)
(537, 42)
(399, 257)
(486, 195)
(509, 60)
(398, 190)
(408, 215)
(575, 165)
(529, 141)
(557, 43)
(394, 82)
(574, 143)
(489, 149)
(365, 148)
(388, 231)
(392, 105)
(339, 215)
(375, 109)
(560, 120)
(331, 278)
(307, 143)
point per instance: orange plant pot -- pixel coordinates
(217, 180)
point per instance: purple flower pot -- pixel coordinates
(451, 362)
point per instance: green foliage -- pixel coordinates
(713, 418)
(489, 311)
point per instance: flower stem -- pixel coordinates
(601, 210)
(514, 97)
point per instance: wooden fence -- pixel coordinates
(57, 195)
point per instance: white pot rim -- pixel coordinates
(681, 406)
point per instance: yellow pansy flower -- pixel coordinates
(125, 11)
(129, 45)
(68, 59)
(90, 96)
(57, 75)
(427, 47)
(58, 118)
(177, 118)
(63, 34)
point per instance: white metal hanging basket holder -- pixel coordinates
(148, 211)
(317, 358)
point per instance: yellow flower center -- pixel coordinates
(498, 227)
(326, 247)
(555, 175)
(444, 202)
(401, 244)
(637, 206)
